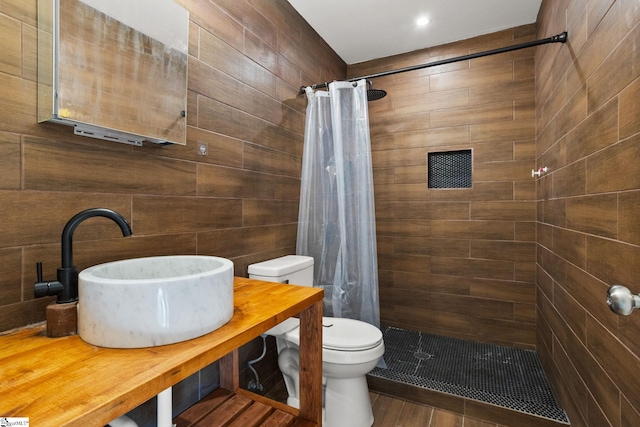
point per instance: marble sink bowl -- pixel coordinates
(147, 302)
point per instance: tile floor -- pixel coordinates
(392, 412)
(507, 377)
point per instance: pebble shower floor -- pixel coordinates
(503, 376)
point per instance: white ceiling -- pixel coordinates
(361, 30)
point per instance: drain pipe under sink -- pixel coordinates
(122, 421)
(164, 409)
(164, 419)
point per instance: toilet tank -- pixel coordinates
(293, 269)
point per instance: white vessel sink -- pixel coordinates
(147, 302)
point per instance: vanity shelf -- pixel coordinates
(240, 409)
(67, 382)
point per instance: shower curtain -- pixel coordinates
(336, 222)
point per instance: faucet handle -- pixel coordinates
(45, 289)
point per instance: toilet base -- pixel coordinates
(347, 403)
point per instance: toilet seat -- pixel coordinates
(339, 334)
(349, 335)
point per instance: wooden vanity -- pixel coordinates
(66, 382)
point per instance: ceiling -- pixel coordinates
(361, 30)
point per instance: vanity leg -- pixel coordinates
(229, 371)
(311, 363)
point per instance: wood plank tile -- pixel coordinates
(228, 151)
(628, 213)
(588, 291)
(493, 413)
(11, 259)
(386, 411)
(472, 422)
(267, 212)
(498, 230)
(444, 418)
(420, 395)
(484, 113)
(630, 110)
(500, 72)
(207, 80)
(20, 103)
(507, 130)
(30, 225)
(617, 71)
(570, 245)
(9, 161)
(573, 313)
(414, 415)
(493, 152)
(11, 45)
(446, 99)
(29, 52)
(571, 180)
(158, 215)
(612, 261)
(516, 170)
(217, 181)
(604, 346)
(598, 131)
(431, 283)
(594, 215)
(618, 157)
(503, 211)
(629, 416)
(45, 167)
(502, 91)
(247, 240)
(490, 190)
(509, 291)
(262, 159)
(431, 247)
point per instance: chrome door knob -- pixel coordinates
(621, 300)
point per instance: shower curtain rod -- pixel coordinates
(560, 38)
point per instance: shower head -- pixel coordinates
(374, 94)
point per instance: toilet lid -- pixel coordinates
(349, 334)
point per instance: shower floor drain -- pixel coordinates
(420, 355)
(508, 377)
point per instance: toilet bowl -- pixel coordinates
(350, 349)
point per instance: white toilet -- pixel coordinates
(350, 349)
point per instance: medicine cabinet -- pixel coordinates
(114, 70)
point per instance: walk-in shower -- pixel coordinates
(473, 371)
(503, 376)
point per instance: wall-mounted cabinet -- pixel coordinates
(115, 70)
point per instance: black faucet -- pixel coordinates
(66, 287)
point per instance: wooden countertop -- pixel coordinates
(67, 382)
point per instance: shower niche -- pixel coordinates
(450, 169)
(114, 70)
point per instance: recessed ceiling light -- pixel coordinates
(422, 21)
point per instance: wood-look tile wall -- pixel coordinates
(457, 262)
(588, 134)
(247, 61)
